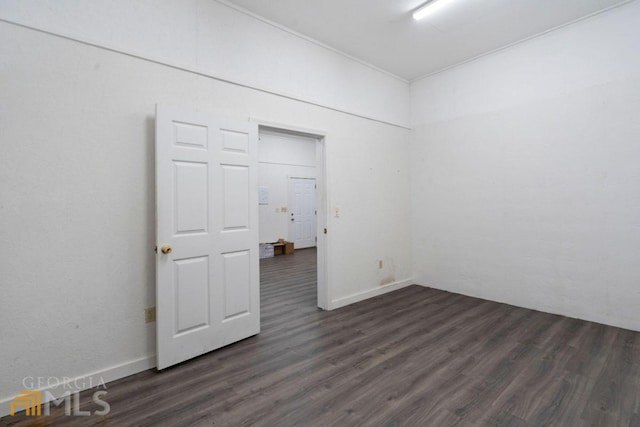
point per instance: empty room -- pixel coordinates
(330, 213)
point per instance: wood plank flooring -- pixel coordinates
(414, 357)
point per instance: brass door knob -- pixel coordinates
(165, 249)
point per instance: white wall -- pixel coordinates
(77, 198)
(211, 37)
(281, 156)
(526, 176)
(524, 188)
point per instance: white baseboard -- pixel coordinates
(633, 325)
(361, 296)
(90, 380)
(113, 373)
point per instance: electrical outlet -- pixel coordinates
(380, 263)
(149, 314)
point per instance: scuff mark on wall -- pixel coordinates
(388, 271)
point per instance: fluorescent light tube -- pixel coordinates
(429, 8)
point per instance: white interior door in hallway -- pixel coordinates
(207, 285)
(302, 208)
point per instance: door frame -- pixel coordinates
(322, 198)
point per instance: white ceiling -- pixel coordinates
(383, 33)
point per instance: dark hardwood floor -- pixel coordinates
(414, 357)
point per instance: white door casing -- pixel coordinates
(207, 286)
(302, 212)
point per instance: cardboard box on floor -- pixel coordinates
(266, 250)
(282, 247)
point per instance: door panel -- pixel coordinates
(237, 284)
(236, 197)
(191, 293)
(237, 142)
(190, 135)
(207, 211)
(191, 197)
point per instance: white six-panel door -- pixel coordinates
(302, 208)
(207, 288)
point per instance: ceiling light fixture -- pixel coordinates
(429, 8)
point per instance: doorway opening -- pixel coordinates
(292, 200)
